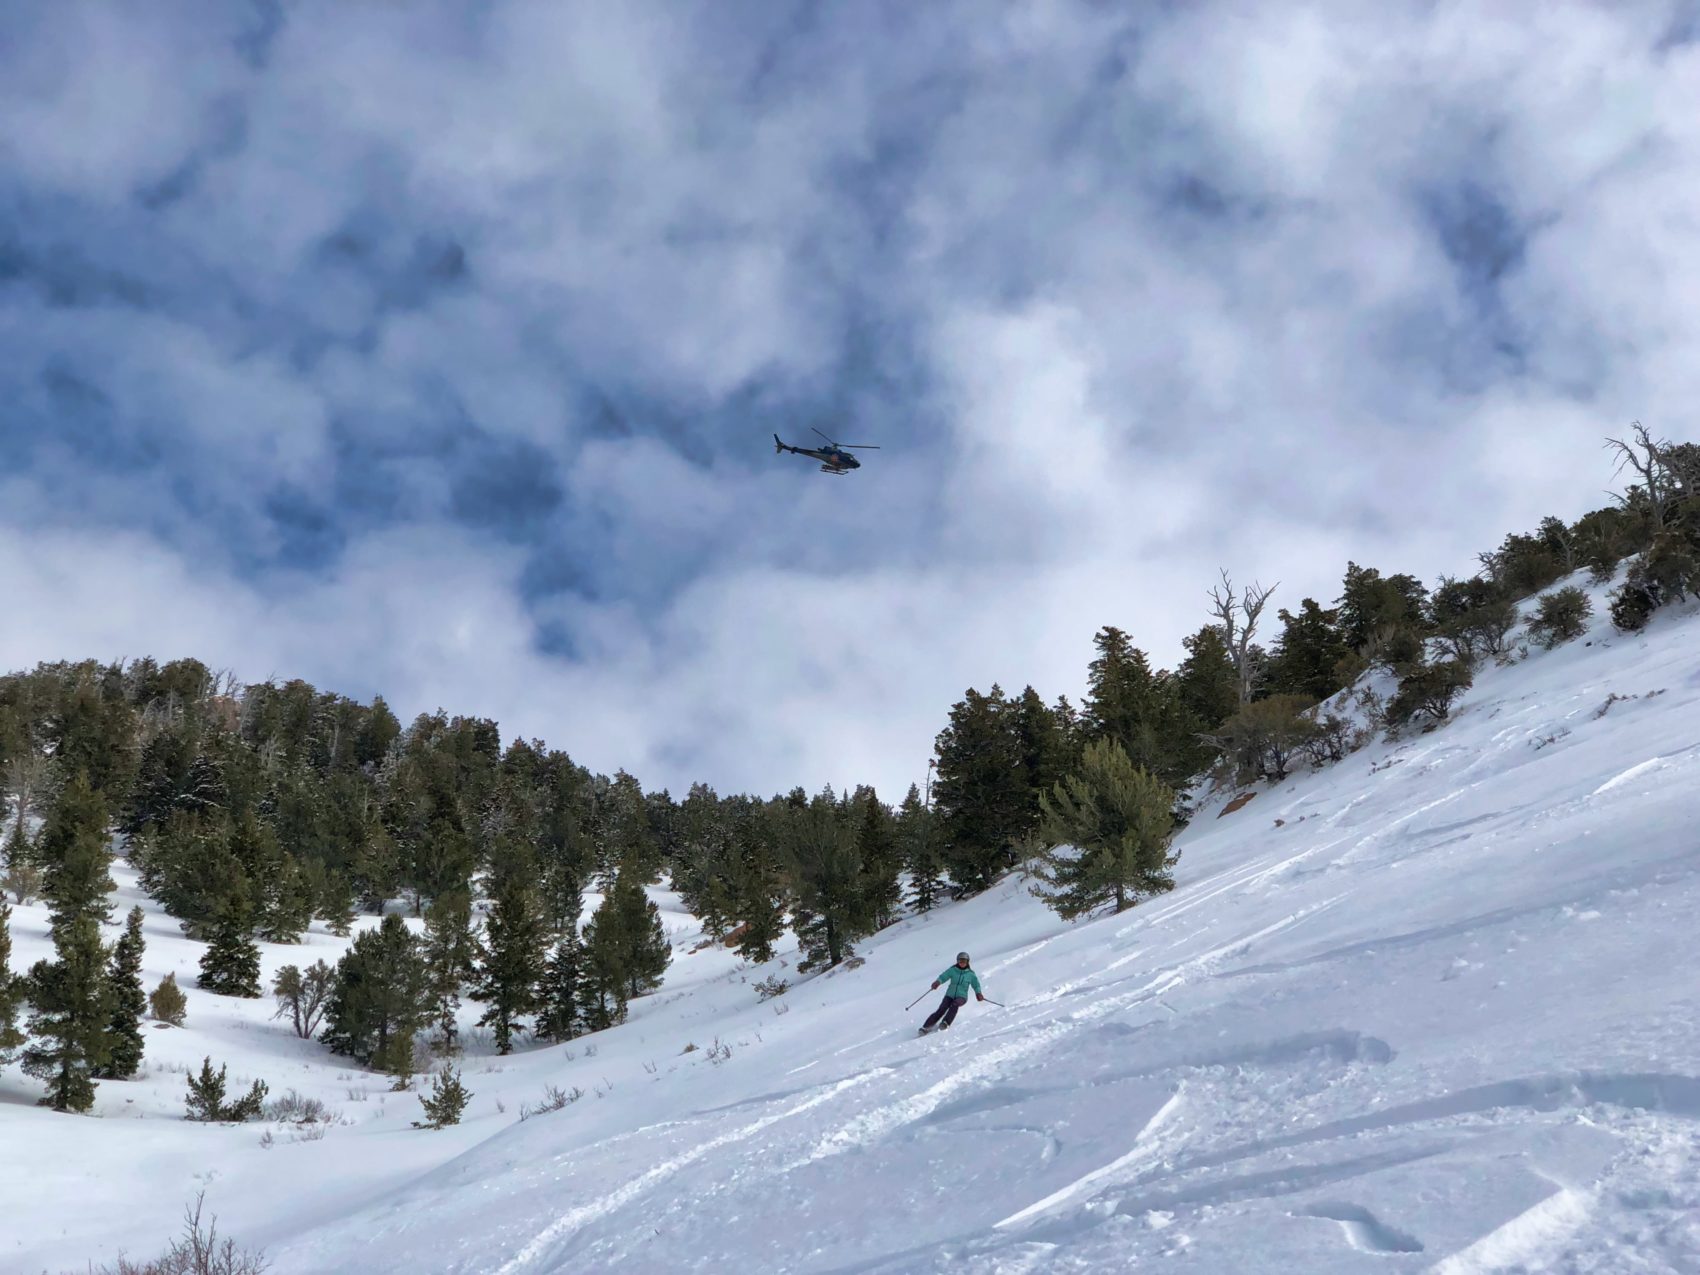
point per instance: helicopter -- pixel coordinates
(835, 458)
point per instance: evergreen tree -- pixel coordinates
(231, 964)
(381, 999)
(515, 938)
(876, 847)
(757, 883)
(1109, 827)
(981, 802)
(625, 952)
(831, 908)
(1137, 708)
(205, 1099)
(1371, 606)
(451, 959)
(1307, 656)
(447, 1100)
(558, 1013)
(72, 1012)
(12, 989)
(626, 841)
(129, 1003)
(1046, 751)
(74, 856)
(648, 952)
(917, 846)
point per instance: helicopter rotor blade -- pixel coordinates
(858, 447)
(823, 436)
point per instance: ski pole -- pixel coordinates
(999, 1004)
(923, 996)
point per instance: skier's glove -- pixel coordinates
(935, 985)
(978, 997)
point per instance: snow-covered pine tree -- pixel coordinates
(71, 1001)
(129, 1003)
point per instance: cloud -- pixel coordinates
(440, 355)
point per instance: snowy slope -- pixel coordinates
(1432, 1009)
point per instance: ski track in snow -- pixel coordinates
(563, 1227)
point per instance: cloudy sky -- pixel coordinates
(435, 349)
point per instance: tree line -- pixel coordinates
(251, 812)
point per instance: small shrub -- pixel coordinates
(167, 1003)
(1428, 690)
(205, 1099)
(1560, 617)
(1667, 572)
(22, 881)
(554, 1098)
(199, 1252)
(690, 1048)
(296, 1108)
(444, 1104)
(770, 987)
(1329, 739)
(719, 1052)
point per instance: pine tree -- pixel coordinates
(918, 850)
(1109, 827)
(626, 841)
(1308, 654)
(1137, 708)
(831, 908)
(205, 1099)
(74, 855)
(336, 905)
(381, 999)
(558, 1013)
(515, 937)
(72, 1011)
(129, 1003)
(231, 964)
(451, 957)
(648, 951)
(446, 1102)
(876, 847)
(12, 989)
(167, 1003)
(982, 806)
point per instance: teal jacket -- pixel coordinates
(957, 982)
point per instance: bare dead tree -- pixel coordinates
(1645, 456)
(1238, 613)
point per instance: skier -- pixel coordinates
(956, 981)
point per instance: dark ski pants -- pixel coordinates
(945, 1012)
